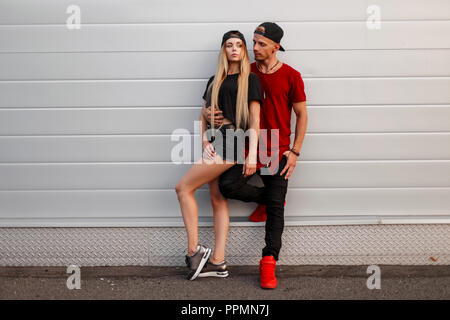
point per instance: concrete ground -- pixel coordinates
(294, 282)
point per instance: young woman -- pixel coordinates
(237, 92)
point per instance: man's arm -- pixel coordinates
(300, 130)
(301, 124)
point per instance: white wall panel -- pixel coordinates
(148, 121)
(158, 93)
(184, 65)
(86, 115)
(162, 11)
(207, 36)
(308, 174)
(143, 206)
(158, 148)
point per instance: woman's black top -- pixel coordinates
(228, 94)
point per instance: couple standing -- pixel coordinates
(248, 97)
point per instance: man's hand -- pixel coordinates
(249, 167)
(290, 164)
(218, 117)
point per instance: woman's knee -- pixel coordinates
(182, 188)
(217, 198)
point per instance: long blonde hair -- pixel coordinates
(242, 111)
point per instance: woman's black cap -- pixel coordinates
(272, 31)
(233, 34)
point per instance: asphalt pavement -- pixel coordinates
(294, 282)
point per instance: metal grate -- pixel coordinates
(323, 245)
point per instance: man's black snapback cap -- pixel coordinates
(272, 31)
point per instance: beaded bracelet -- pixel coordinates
(294, 152)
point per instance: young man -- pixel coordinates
(283, 90)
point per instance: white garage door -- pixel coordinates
(86, 115)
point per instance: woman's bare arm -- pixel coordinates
(203, 122)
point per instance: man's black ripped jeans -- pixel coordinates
(233, 185)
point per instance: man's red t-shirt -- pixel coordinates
(280, 90)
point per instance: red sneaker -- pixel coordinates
(260, 215)
(267, 272)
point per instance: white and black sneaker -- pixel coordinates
(214, 270)
(196, 262)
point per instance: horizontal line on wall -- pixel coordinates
(199, 106)
(217, 51)
(240, 218)
(197, 135)
(245, 219)
(169, 162)
(220, 22)
(204, 79)
(173, 189)
(206, 221)
(314, 221)
(236, 218)
(180, 50)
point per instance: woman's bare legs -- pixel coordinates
(199, 174)
(221, 221)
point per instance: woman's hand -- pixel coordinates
(249, 167)
(208, 150)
